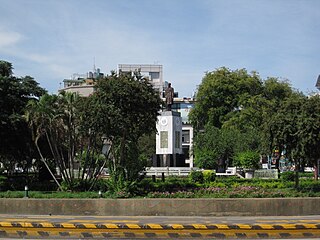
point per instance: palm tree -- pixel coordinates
(62, 122)
(39, 115)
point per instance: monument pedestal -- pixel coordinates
(169, 138)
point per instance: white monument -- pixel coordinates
(169, 132)
(169, 137)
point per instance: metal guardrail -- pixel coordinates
(169, 171)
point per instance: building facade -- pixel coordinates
(82, 83)
(152, 72)
(183, 106)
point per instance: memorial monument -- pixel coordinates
(169, 133)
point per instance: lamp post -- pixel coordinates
(26, 191)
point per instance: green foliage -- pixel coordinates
(247, 159)
(12, 194)
(211, 145)
(171, 184)
(309, 186)
(243, 108)
(57, 119)
(123, 109)
(2, 182)
(309, 129)
(196, 176)
(209, 176)
(49, 194)
(147, 146)
(205, 158)
(119, 187)
(288, 176)
(77, 185)
(215, 147)
(180, 187)
(16, 148)
(220, 93)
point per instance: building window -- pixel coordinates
(185, 136)
(154, 76)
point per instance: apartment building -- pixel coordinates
(152, 72)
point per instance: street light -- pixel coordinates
(26, 189)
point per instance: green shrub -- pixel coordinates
(309, 185)
(173, 183)
(306, 175)
(217, 184)
(196, 176)
(271, 184)
(77, 185)
(12, 194)
(3, 180)
(288, 176)
(247, 159)
(209, 176)
(43, 186)
(100, 185)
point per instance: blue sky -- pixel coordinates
(52, 39)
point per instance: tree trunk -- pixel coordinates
(315, 172)
(296, 176)
(45, 163)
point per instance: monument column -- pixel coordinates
(169, 133)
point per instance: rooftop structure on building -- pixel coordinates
(82, 83)
(151, 71)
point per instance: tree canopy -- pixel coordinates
(221, 94)
(123, 108)
(15, 92)
(242, 103)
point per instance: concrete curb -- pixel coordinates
(163, 207)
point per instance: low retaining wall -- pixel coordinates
(163, 207)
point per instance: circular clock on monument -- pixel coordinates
(164, 121)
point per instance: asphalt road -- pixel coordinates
(128, 227)
(163, 219)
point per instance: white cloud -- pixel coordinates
(9, 38)
(37, 58)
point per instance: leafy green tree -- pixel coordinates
(215, 148)
(285, 129)
(222, 94)
(247, 159)
(309, 131)
(239, 103)
(123, 108)
(206, 154)
(76, 153)
(5, 69)
(147, 146)
(275, 92)
(16, 146)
